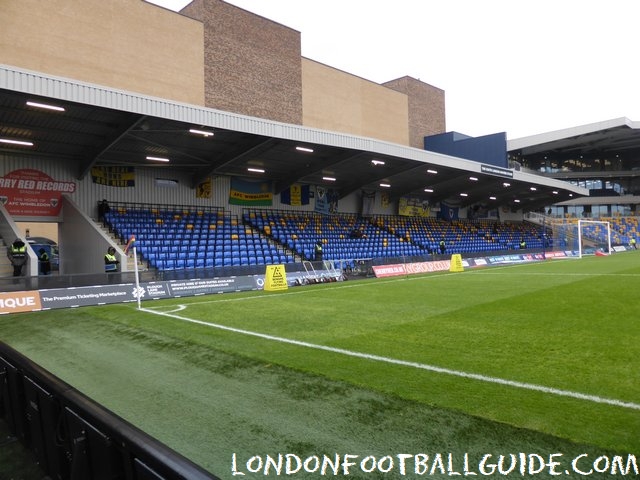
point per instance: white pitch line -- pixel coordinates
(302, 291)
(556, 274)
(179, 308)
(421, 366)
(403, 278)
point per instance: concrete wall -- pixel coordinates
(124, 44)
(82, 245)
(338, 101)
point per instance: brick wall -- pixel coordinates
(426, 108)
(252, 64)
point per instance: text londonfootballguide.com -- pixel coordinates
(423, 464)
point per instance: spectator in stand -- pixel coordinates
(318, 251)
(103, 209)
(443, 246)
(355, 233)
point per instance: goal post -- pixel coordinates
(593, 237)
(582, 237)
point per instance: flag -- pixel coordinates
(203, 190)
(295, 195)
(249, 191)
(132, 240)
(114, 176)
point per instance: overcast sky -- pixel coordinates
(518, 66)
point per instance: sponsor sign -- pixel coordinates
(27, 301)
(294, 279)
(183, 288)
(13, 302)
(428, 267)
(476, 262)
(533, 256)
(85, 296)
(126, 292)
(29, 192)
(275, 278)
(412, 268)
(501, 172)
(153, 290)
(382, 271)
(500, 259)
(445, 265)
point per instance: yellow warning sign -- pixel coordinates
(456, 263)
(275, 278)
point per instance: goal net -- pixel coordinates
(583, 237)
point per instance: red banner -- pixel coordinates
(398, 269)
(382, 271)
(28, 192)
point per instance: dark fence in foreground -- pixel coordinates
(72, 437)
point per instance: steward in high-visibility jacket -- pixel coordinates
(45, 262)
(17, 253)
(110, 261)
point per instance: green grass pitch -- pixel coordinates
(536, 358)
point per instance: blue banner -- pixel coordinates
(296, 195)
(326, 200)
(448, 212)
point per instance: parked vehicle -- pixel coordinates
(49, 246)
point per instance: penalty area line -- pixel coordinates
(405, 363)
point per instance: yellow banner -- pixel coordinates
(413, 207)
(296, 194)
(114, 176)
(204, 189)
(384, 199)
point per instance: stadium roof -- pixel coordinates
(609, 139)
(606, 151)
(103, 126)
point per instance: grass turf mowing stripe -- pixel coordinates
(567, 331)
(209, 405)
(432, 368)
